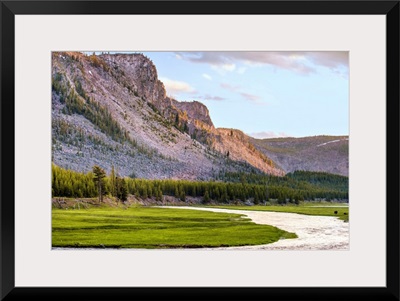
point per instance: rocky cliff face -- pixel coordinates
(111, 110)
(195, 111)
(140, 75)
(237, 145)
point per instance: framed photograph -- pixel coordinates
(282, 117)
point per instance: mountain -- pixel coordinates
(112, 110)
(318, 153)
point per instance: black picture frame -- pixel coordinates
(11, 8)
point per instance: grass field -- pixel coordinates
(342, 212)
(146, 227)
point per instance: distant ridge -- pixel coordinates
(315, 153)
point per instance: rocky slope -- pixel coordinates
(111, 110)
(318, 153)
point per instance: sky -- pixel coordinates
(264, 94)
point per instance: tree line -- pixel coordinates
(96, 183)
(69, 183)
(306, 180)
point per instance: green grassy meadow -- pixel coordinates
(157, 228)
(342, 212)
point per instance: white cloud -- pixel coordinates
(173, 86)
(247, 96)
(223, 69)
(210, 97)
(241, 70)
(229, 87)
(299, 61)
(267, 134)
(206, 76)
(229, 67)
(252, 98)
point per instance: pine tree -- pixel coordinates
(99, 175)
(182, 196)
(113, 182)
(185, 127)
(122, 192)
(206, 197)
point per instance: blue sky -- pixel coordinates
(264, 94)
